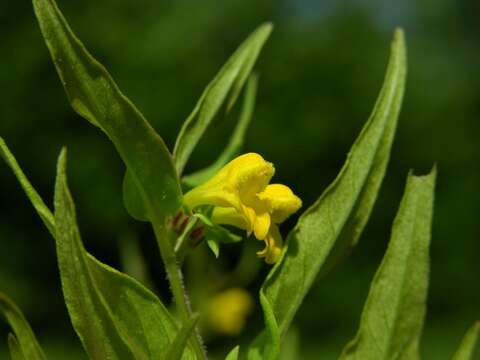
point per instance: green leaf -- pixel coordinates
(340, 214)
(25, 344)
(392, 320)
(42, 210)
(233, 354)
(177, 347)
(14, 347)
(216, 234)
(121, 294)
(235, 143)
(291, 345)
(214, 246)
(229, 80)
(114, 315)
(469, 348)
(94, 95)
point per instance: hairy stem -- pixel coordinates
(164, 239)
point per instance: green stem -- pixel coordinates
(165, 243)
(182, 240)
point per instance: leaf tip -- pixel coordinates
(399, 34)
(398, 43)
(266, 27)
(62, 162)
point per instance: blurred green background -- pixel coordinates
(320, 73)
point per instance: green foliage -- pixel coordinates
(177, 347)
(235, 143)
(216, 235)
(107, 304)
(94, 95)
(233, 355)
(24, 344)
(392, 319)
(229, 80)
(116, 317)
(469, 348)
(15, 350)
(339, 215)
(42, 210)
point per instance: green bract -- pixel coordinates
(116, 317)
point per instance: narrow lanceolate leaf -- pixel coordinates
(24, 343)
(123, 296)
(340, 214)
(233, 354)
(228, 81)
(470, 347)
(114, 316)
(392, 320)
(177, 347)
(15, 349)
(235, 143)
(95, 96)
(37, 202)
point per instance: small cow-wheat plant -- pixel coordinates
(118, 317)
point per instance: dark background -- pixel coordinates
(320, 73)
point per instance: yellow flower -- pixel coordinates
(242, 198)
(228, 311)
(281, 202)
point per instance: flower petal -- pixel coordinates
(261, 225)
(249, 175)
(281, 202)
(273, 246)
(235, 184)
(228, 216)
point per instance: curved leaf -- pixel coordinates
(42, 210)
(114, 315)
(94, 95)
(24, 344)
(469, 348)
(235, 143)
(392, 320)
(229, 80)
(122, 295)
(233, 354)
(335, 221)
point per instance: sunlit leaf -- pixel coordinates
(114, 315)
(24, 344)
(233, 354)
(470, 346)
(392, 319)
(235, 143)
(121, 294)
(338, 217)
(94, 95)
(229, 80)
